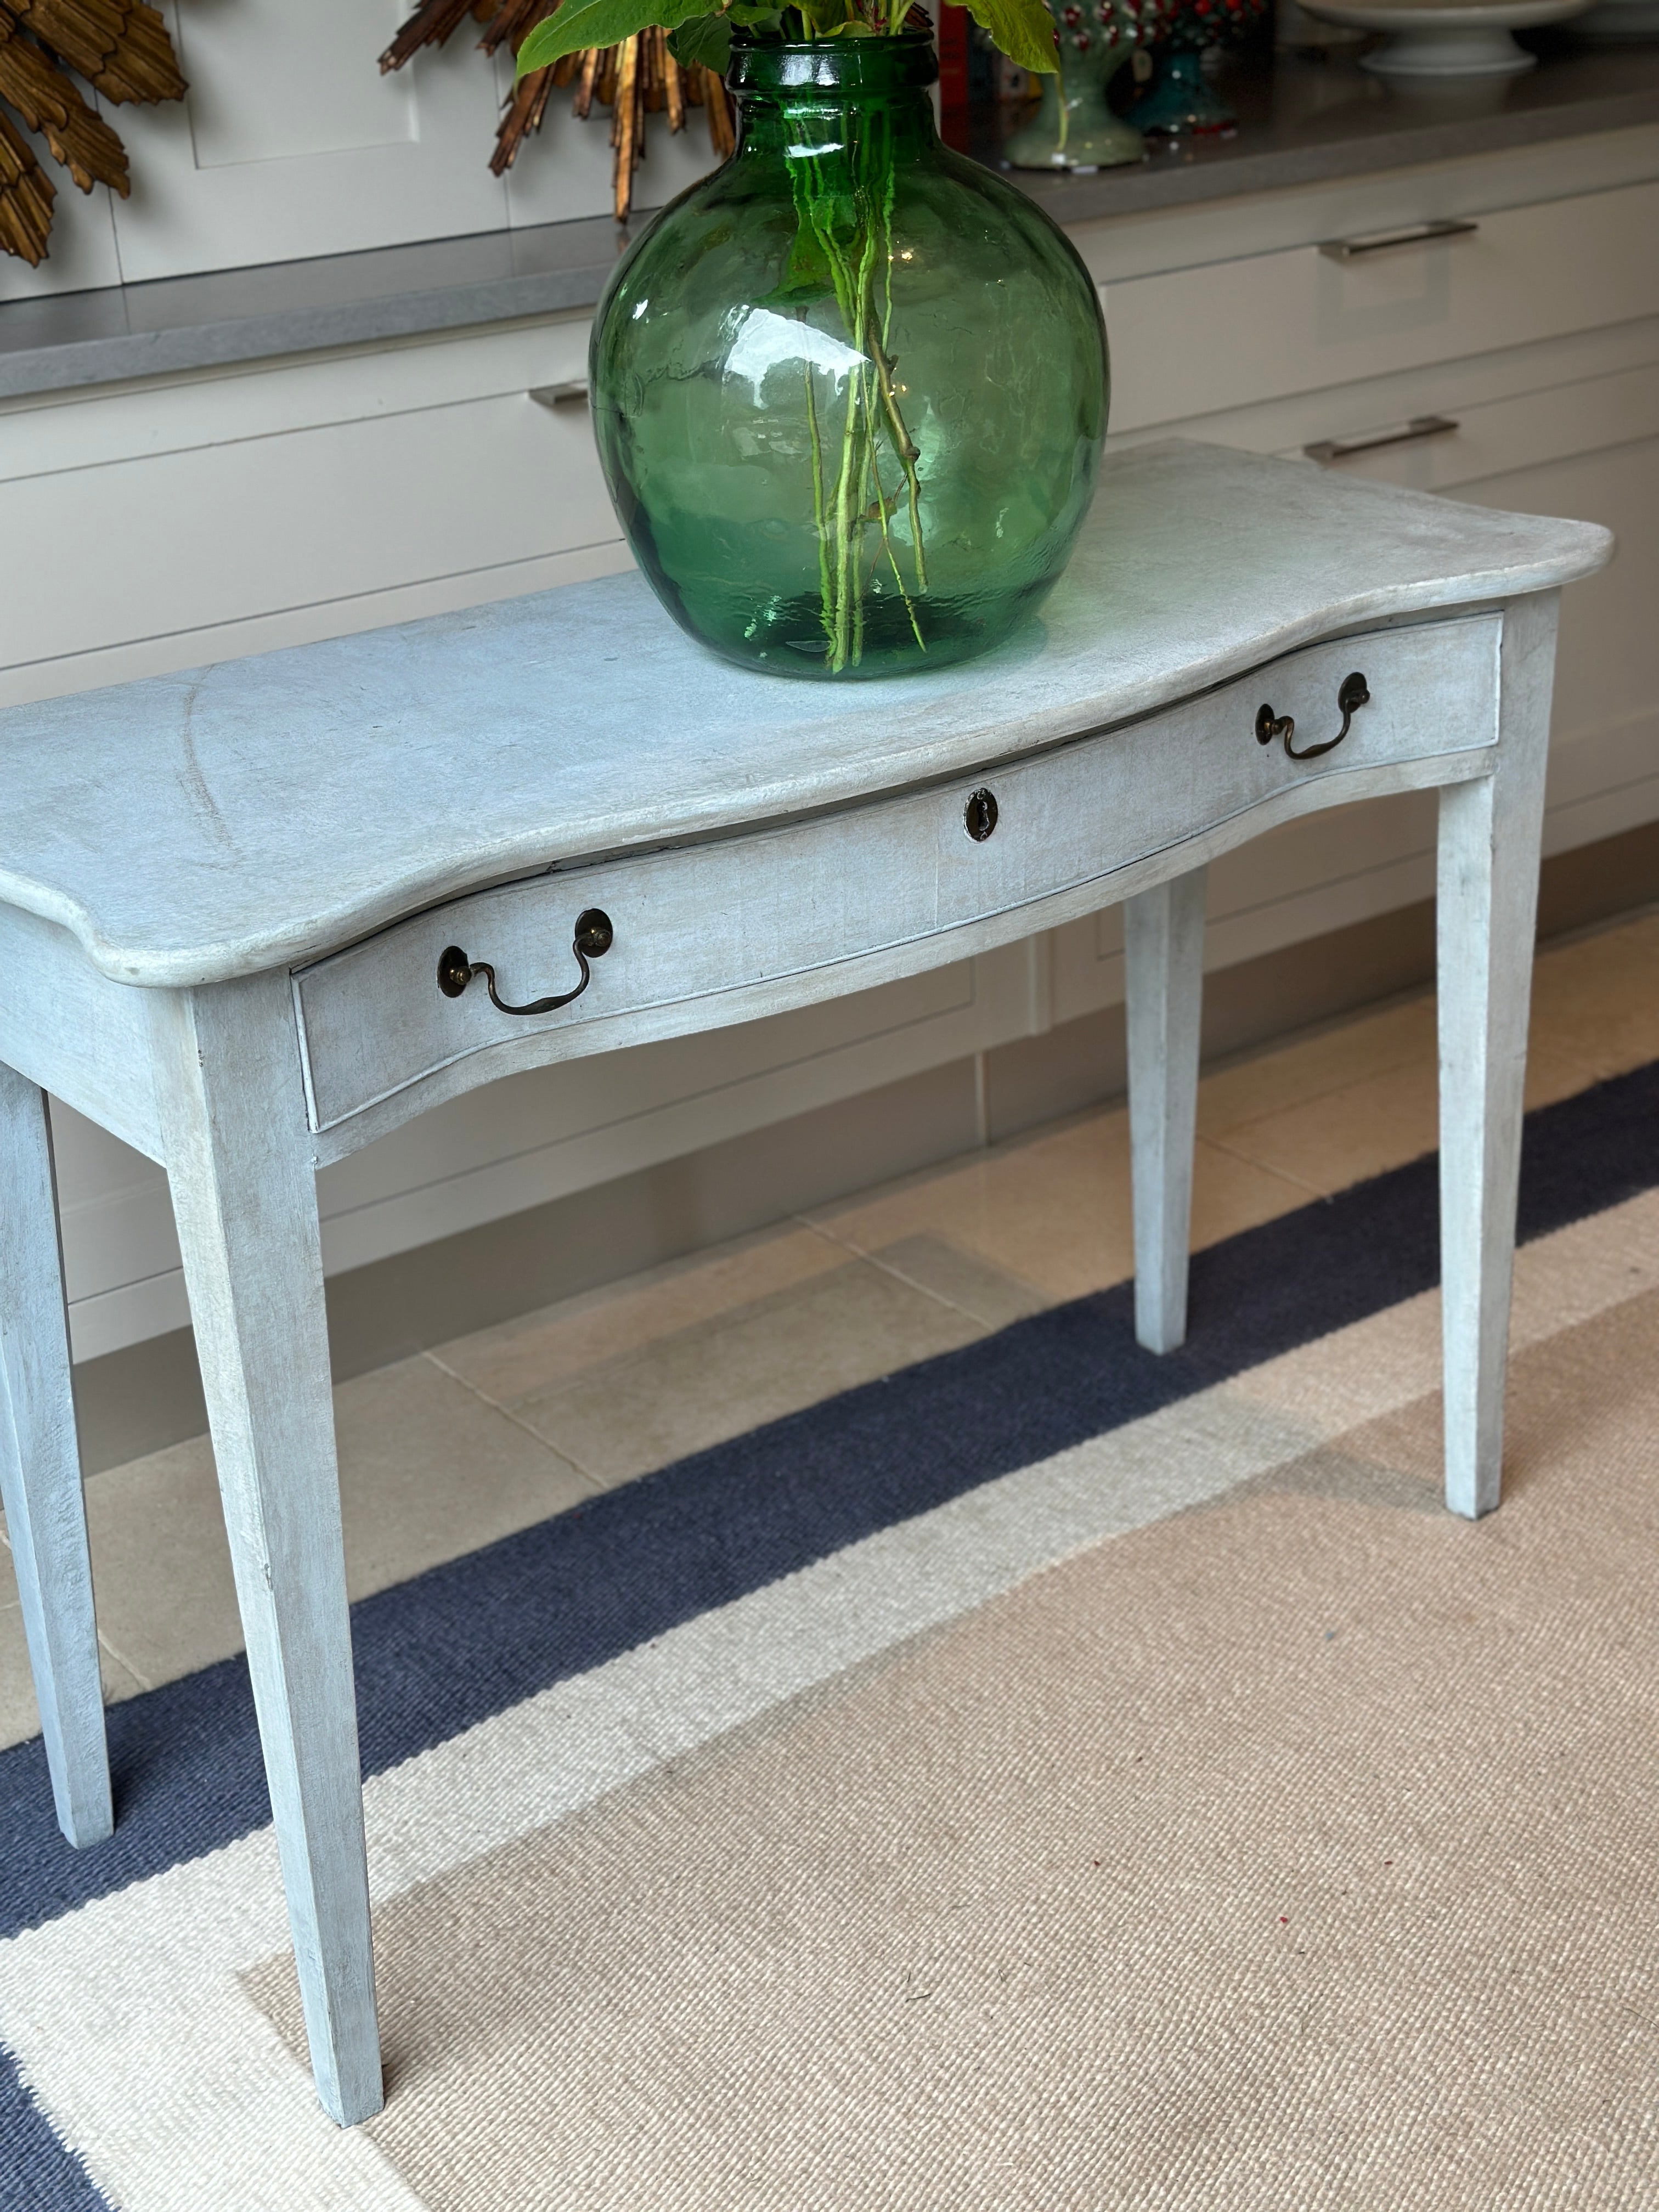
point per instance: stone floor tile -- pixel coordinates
(1339, 1138)
(20, 1718)
(1594, 1014)
(1288, 1075)
(637, 1374)
(730, 1373)
(1594, 1009)
(1054, 1211)
(160, 1568)
(962, 1278)
(541, 1350)
(427, 1471)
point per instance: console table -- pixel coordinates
(254, 916)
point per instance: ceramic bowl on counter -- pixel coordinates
(1441, 39)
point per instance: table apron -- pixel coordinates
(741, 927)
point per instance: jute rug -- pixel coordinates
(1053, 1778)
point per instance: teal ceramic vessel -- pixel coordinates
(1181, 102)
(850, 390)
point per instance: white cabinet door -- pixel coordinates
(80, 254)
(1604, 758)
(1196, 341)
(229, 515)
(1588, 449)
(290, 142)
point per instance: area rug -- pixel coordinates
(1053, 1777)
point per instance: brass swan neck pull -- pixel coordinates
(594, 937)
(1354, 694)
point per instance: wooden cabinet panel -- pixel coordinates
(1196, 341)
(1590, 450)
(290, 142)
(1604, 764)
(1508, 436)
(186, 540)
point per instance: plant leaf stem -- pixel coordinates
(817, 504)
(844, 196)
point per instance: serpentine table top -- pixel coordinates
(193, 828)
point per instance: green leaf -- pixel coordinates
(806, 275)
(703, 43)
(581, 23)
(1022, 29)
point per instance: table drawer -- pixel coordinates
(696, 920)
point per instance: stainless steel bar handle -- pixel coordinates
(1403, 433)
(1386, 241)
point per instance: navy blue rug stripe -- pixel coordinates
(37, 2173)
(477, 1635)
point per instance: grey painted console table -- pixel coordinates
(254, 916)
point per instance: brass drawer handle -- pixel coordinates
(1354, 694)
(594, 936)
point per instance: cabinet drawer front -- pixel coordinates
(1196, 342)
(1497, 437)
(376, 481)
(697, 920)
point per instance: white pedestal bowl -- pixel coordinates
(1440, 38)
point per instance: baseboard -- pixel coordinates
(149, 1395)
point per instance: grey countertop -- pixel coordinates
(1301, 122)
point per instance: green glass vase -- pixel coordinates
(850, 390)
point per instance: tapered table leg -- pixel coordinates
(244, 1191)
(40, 1469)
(1163, 972)
(1490, 836)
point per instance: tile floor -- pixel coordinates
(443, 1453)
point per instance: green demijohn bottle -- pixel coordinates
(850, 389)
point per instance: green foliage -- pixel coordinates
(1022, 29)
(581, 23)
(703, 43)
(701, 29)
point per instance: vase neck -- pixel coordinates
(817, 96)
(818, 127)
